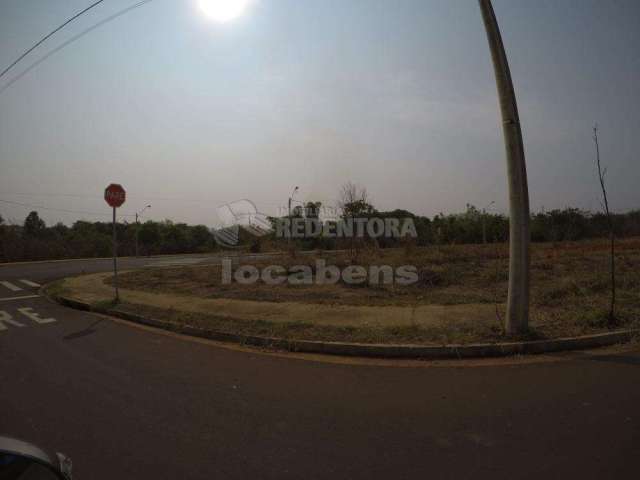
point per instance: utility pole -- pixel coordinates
(290, 219)
(517, 318)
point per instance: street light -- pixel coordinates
(139, 214)
(517, 319)
(290, 200)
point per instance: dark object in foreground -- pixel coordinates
(22, 460)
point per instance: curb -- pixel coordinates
(477, 350)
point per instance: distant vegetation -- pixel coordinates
(34, 240)
(476, 226)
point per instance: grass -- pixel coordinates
(569, 291)
(105, 304)
(409, 334)
(56, 289)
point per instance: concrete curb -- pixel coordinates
(478, 350)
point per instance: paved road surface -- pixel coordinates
(130, 403)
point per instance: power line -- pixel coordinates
(70, 41)
(201, 201)
(81, 195)
(73, 195)
(81, 212)
(44, 39)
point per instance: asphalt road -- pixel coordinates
(126, 402)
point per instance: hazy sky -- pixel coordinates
(395, 95)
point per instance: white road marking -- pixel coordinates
(29, 283)
(6, 318)
(29, 313)
(10, 286)
(24, 297)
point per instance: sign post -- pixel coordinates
(115, 196)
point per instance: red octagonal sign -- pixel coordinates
(114, 195)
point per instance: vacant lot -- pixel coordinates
(570, 286)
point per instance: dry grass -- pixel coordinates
(569, 288)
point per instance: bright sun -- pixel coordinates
(223, 10)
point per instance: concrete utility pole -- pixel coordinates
(517, 319)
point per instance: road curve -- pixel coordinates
(131, 403)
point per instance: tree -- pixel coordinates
(174, 237)
(612, 237)
(517, 319)
(297, 212)
(354, 201)
(34, 226)
(149, 234)
(200, 237)
(312, 210)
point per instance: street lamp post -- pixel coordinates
(290, 200)
(517, 318)
(138, 214)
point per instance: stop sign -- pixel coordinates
(114, 195)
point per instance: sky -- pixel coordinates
(397, 96)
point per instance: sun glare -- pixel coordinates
(223, 10)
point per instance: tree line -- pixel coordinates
(477, 226)
(34, 240)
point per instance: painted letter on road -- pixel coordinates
(29, 313)
(6, 318)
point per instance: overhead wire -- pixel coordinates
(80, 212)
(67, 43)
(47, 36)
